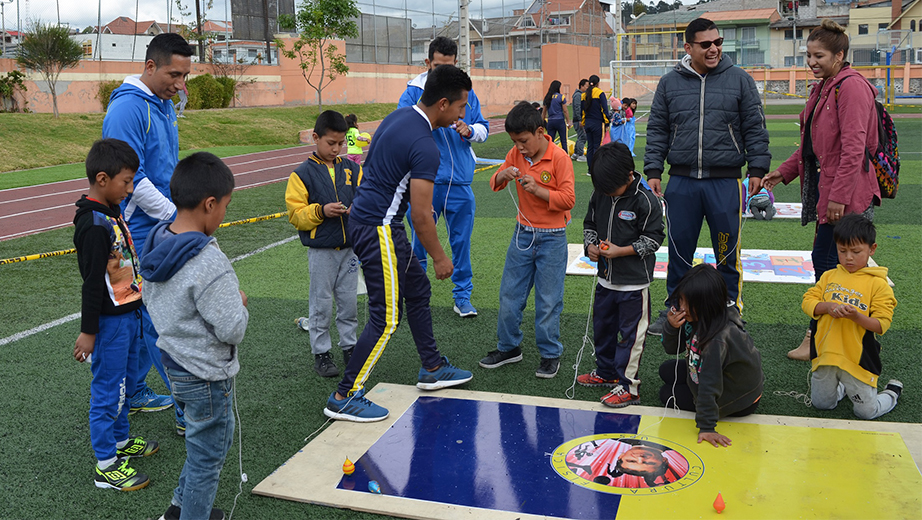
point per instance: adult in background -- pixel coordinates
(452, 196)
(579, 149)
(837, 125)
(707, 121)
(141, 113)
(595, 116)
(554, 110)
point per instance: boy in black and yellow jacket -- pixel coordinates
(318, 197)
(851, 304)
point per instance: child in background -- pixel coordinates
(851, 304)
(761, 205)
(721, 375)
(353, 137)
(622, 231)
(318, 198)
(110, 325)
(197, 306)
(537, 256)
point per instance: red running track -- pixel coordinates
(33, 209)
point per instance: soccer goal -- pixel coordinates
(638, 78)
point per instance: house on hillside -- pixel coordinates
(661, 36)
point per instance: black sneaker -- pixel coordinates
(119, 475)
(347, 355)
(895, 386)
(548, 368)
(656, 328)
(325, 366)
(498, 358)
(172, 513)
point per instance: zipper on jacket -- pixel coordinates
(675, 133)
(730, 127)
(701, 128)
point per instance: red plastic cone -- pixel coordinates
(719, 504)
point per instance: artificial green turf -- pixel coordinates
(44, 441)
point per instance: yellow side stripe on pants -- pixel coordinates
(391, 304)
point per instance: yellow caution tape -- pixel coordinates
(63, 252)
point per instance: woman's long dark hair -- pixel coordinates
(553, 89)
(705, 294)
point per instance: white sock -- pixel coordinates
(121, 444)
(103, 464)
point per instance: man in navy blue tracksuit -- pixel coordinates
(707, 122)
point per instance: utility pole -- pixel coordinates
(464, 36)
(201, 36)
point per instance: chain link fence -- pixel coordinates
(504, 34)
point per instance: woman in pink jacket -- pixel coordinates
(837, 125)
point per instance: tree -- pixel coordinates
(49, 50)
(193, 30)
(317, 22)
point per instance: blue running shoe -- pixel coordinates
(147, 401)
(180, 422)
(464, 308)
(355, 408)
(446, 375)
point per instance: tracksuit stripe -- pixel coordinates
(391, 301)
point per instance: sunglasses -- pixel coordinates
(707, 44)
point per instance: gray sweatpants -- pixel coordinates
(334, 273)
(829, 384)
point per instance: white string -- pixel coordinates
(570, 392)
(243, 476)
(518, 225)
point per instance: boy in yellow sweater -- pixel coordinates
(851, 303)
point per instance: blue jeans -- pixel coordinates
(208, 406)
(539, 259)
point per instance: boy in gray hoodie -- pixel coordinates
(196, 305)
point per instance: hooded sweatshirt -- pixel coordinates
(193, 297)
(842, 342)
(456, 165)
(148, 124)
(725, 376)
(107, 261)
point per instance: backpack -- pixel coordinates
(886, 159)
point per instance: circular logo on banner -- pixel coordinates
(627, 464)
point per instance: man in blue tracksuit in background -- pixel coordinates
(141, 114)
(452, 195)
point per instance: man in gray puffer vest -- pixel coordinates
(707, 122)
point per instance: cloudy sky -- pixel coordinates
(83, 13)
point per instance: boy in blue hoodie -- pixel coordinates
(110, 326)
(141, 114)
(452, 195)
(196, 304)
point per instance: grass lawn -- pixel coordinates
(45, 405)
(36, 140)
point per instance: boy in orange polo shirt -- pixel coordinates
(537, 254)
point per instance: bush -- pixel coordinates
(230, 85)
(105, 92)
(205, 92)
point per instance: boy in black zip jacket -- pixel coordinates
(318, 198)
(622, 231)
(110, 326)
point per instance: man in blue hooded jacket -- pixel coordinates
(141, 113)
(452, 195)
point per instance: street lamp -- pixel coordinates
(3, 17)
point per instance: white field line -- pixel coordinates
(66, 319)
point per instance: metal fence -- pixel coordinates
(507, 34)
